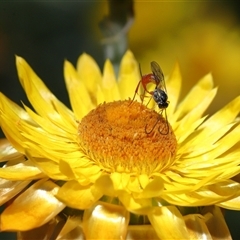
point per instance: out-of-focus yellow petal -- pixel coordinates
(105, 221)
(33, 208)
(196, 227)
(9, 189)
(21, 171)
(174, 83)
(77, 91)
(89, 72)
(109, 87)
(225, 143)
(129, 76)
(143, 232)
(223, 117)
(194, 97)
(168, 223)
(76, 196)
(216, 223)
(100, 97)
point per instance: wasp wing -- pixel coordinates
(158, 74)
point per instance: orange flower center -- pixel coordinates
(126, 136)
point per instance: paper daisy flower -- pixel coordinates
(93, 172)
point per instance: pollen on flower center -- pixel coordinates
(114, 136)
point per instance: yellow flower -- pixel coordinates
(100, 158)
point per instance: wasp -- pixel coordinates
(159, 94)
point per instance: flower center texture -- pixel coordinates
(126, 136)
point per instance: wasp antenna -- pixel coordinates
(152, 127)
(166, 133)
(140, 70)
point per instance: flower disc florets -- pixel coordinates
(114, 135)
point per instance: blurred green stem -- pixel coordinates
(114, 28)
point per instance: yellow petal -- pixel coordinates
(100, 97)
(21, 171)
(216, 223)
(48, 167)
(134, 185)
(9, 189)
(36, 139)
(225, 143)
(44, 232)
(89, 72)
(138, 206)
(201, 143)
(152, 189)
(191, 120)
(145, 232)
(71, 229)
(45, 124)
(109, 87)
(196, 227)
(7, 151)
(76, 196)
(10, 116)
(82, 171)
(77, 91)
(18, 113)
(226, 189)
(120, 180)
(213, 129)
(33, 208)
(232, 204)
(194, 97)
(38, 94)
(104, 185)
(173, 83)
(168, 223)
(75, 234)
(129, 76)
(67, 121)
(105, 221)
(223, 117)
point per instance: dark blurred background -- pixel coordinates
(45, 33)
